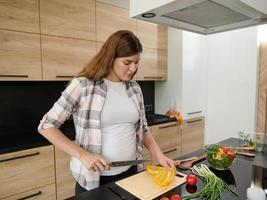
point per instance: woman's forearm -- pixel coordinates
(151, 145)
(56, 137)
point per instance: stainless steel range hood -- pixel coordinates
(201, 16)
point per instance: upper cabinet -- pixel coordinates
(20, 56)
(152, 35)
(194, 78)
(153, 63)
(20, 15)
(55, 39)
(63, 58)
(75, 19)
(110, 19)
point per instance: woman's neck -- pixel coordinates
(113, 78)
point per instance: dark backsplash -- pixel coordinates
(148, 90)
(23, 104)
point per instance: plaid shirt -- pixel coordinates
(84, 100)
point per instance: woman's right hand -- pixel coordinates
(94, 162)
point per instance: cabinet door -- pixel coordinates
(153, 65)
(65, 181)
(167, 136)
(173, 153)
(110, 19)
(68, 18)
(63, 58)
(42, 193)
(20, 56)
(25, 170)
(147, 69)
(162, 69)
(194, 74)
(152, 35)
(20, 15)
(148, 34)
(192, 135)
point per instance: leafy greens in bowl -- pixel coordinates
(219, 156)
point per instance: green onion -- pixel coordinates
(213, 185)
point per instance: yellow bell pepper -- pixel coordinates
(160, 175)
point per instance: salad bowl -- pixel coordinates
(220, 157)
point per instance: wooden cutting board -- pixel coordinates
(142, 185)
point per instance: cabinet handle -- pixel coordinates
(153, 77)
(170, 151)
(31, 195)
(64, 76)
(192, 121)
(18, 157)
(161, 127)
(196, 112)
(14, 75)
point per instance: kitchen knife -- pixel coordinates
(127, 162)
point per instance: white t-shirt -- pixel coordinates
(118, 118)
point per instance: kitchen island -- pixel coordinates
(243, 173)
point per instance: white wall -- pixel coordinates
(231, 90)
(231, 59)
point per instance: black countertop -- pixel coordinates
(154, 119)
(240, 176)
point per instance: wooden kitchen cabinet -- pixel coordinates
(20, 15)
(63, 58)
(65, 180)
(110, 19)
(192, 135)
(42, 193)
(152, 35)
(27, 170)
(20, 56)
(153, 65)
(168, 137)
(147, 69)
(67, 18)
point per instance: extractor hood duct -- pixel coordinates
(201, 16)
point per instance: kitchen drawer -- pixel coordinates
(192, 135)
(25, 170)
(44, 193)
(65, 180)
(167, 135)
(172, 153)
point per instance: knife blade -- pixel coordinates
(127, 162)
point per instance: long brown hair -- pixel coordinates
(122, 43)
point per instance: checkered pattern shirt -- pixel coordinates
(84, 100)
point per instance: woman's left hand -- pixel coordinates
(165, 161)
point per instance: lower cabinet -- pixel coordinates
(44, 172)
(47, 192)
(168, 137)
(192, 135)
(28, 170)
(65, 181)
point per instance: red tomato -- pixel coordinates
(231, 155)
(226, 149)
(176, 197)
(164, 198)
(229, 152)
(191, 179)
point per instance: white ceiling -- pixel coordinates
(119, 3)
